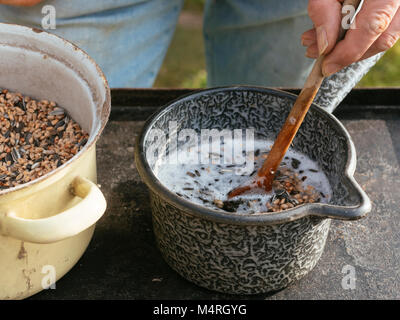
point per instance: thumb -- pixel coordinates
(326, 16)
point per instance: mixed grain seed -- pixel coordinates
(36, 137)
(289, 191)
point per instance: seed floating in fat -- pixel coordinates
(290, 192)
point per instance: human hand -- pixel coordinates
(20, 3)
(377, 30)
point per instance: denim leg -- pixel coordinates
(257, 42)
(127, 38)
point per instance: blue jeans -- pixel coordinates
(127, 38)
(254, 42)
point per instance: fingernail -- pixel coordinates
(330, 69)
(312, 52)
(322, 40)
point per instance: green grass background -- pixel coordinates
(184, 64)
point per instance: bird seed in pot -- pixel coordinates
(299, 182)
(36, 137)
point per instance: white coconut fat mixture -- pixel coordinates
(299, 180)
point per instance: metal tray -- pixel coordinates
(361, 258)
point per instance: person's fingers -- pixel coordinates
(22, 3)
(307, 43)
(309, 34)
(308, 38)
(372, 20)
(387, 40)
(326, 16)
(312, 51)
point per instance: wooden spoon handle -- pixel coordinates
(296, 115)
(292, 123)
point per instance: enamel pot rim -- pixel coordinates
(314, 209)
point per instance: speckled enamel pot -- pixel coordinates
(253, 253)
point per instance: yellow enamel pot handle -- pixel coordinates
(63, 225)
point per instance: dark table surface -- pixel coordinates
(122, 261)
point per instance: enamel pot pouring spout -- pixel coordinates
(46, 224)
(249, 253)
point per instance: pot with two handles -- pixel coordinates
(248, 253)
(47, 224)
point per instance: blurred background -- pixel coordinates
(184, 64)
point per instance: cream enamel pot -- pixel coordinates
(50, 221)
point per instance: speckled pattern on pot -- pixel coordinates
(250, 253)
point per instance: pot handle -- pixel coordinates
(354, 212)
(63, 225)
(335, 88)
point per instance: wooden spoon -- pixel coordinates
(266, 174)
